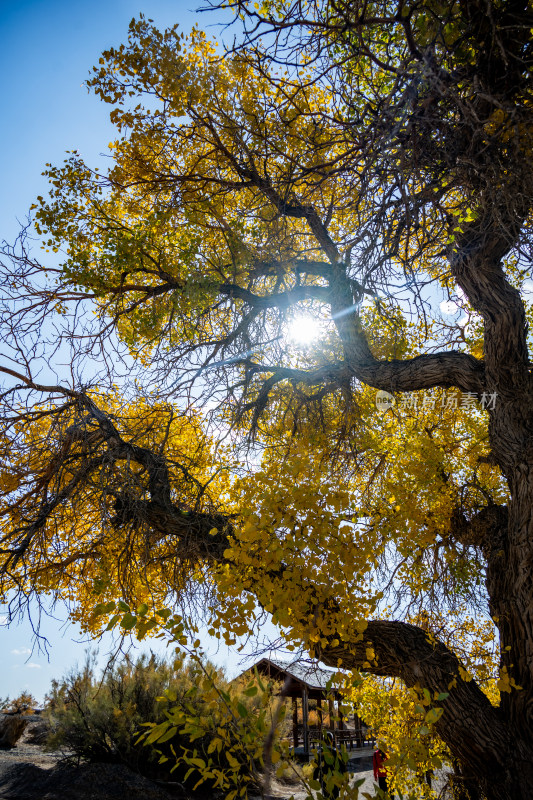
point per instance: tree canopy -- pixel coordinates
(364, 165)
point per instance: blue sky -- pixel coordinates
(48, 48)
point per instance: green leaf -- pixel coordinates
(128, 621)
(232, 761)
(144, 627)
(156, 732)
(198, 762)
(168, 735)
(112, 622)
(433, 715)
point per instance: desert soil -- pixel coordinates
(33, 754)
(25, 753)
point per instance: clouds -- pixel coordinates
(452, 306)
(448, 307)
(4, 619)
(25, 651)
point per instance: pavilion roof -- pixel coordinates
(317, 680)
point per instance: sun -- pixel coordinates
(303, 330)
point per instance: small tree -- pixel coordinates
(25, 703)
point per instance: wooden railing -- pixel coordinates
(347, 737)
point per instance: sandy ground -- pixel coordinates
(279, 791)
(26, 753)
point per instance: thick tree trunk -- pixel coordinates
(510, 777)
(509, 584)
(510, 589)
(495, 755)
(505, 771)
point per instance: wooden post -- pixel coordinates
(305, 714)
(319, 715)
(295, 721)
(358, 730)
(341, 718)
(331, 713)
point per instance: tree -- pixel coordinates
(25, 703)
(361, 173)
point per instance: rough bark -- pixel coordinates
(479, 736)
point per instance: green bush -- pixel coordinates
(98, 718)
(180, 721)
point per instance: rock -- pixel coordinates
(11, 729)
(37, 730)
(88, 782)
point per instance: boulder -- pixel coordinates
(37, 730)
(12, 727)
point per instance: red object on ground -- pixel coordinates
(378, 763)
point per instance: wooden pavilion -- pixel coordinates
(304, 681)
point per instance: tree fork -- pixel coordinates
(477, 734)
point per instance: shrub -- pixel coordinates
(99, 718)
(211, 732)
(217, 732)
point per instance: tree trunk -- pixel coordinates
(494, 754)
(510, 777)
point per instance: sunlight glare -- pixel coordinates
(303, 330)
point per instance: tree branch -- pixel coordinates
(447, 369)
(483, 529)
(469, 725)
(279, 300)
